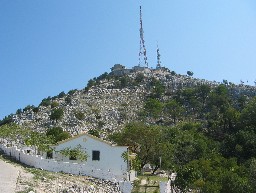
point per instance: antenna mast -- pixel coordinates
(143, 52)
(158, 58)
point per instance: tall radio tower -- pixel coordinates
(158, 65)
(143, 51)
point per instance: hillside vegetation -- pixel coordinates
(203, 130)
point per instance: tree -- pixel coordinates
(61, 95)
(91, 83)
(56, 114)
(54, 104)
(72, 92)
(6, 120)
(94, 132)
(40, 141)
(139, 78)
(174, 109)
(241, 145)
(57, 134)
(189, 145)
(148, 148)
(203, 92)
(248, 115)
(46, 102)
(190, 73)
(79, 115)
(213, 174)
(153, 107)
(157, 88)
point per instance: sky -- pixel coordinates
(51, 46)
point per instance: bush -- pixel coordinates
(94, 132)
(71, 92)
(56, 114)
(79, 115)
(61, 95)
(54, 104)
(46, 102)
(68, 99)
(35, 109)
(57, 134)
(139, 78)
(28, 107)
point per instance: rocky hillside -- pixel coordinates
(110, 101)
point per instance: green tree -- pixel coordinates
(190, 73)
(139, 78)
(148, 148)
(203, 92)
(57, 134)
(91, 83)
(54, 104)
(61, 94)
(94, 132)
(241, 145)
(6, 120)
(248, 115)
(153, 107)
(187, 142)
(46, 102)
(174, 109)
(79, 115)
(40, 141)
(213, 174)
(158, 88)
(56, 114)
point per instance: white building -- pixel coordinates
(105, 161)
(103, 157)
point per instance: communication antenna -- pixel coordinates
(158, 65)
(143, 51)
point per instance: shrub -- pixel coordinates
(61, 95)
(68, 99)
(46, 102)
(79, 115)
(54, 104)
(56, 114)
(57, 134)
(94, 132)
(71, 92)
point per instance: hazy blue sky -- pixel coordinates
(50, 46)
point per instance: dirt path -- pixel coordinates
(8, 177)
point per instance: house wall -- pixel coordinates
(110, 156)
(107, 168)
(73, 168)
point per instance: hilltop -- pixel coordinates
(114, 99)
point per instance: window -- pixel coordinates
(95, 155)
(72, 158)
(72, 155)
(49, 155)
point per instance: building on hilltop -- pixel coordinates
(119, 70)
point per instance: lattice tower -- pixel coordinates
(143, 51)
(158, 65)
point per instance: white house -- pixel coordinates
(104, 159)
